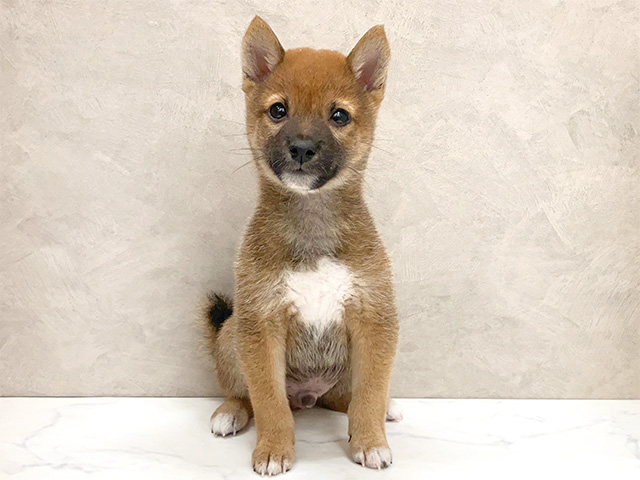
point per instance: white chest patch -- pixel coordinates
(318, 295)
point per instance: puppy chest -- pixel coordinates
(317, 296)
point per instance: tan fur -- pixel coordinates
(263, 343)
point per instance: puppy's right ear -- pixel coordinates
(261, 51)
(369, 59)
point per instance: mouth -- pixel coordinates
(298, 180)
(303, 177)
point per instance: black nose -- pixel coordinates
(303, 150)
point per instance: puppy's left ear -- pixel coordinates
(369, 59)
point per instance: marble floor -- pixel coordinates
(122, 438)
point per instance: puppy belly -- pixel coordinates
(317, 345)
(316, 360)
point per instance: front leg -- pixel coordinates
(374, 336)
(261, 346)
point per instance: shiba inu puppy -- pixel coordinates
(313, 320)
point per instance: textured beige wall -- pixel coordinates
(506, 185)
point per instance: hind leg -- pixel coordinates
(338, 400)
(394, 412)
(234, 414)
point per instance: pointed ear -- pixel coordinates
(370, 57)
(261, 51)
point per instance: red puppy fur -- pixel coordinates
(313, 319)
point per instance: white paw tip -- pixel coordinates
(394, 412)
(378, 458)
(223, 424)
(274, 468)
(271, 468)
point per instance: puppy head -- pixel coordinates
(311, 113)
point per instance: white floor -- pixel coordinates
(120, 438)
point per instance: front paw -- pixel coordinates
(370, 456)
(273, 459)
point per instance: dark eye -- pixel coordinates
(277, 111)
(340, 117)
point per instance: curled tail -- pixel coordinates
(219, 308)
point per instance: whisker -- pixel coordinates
(241, 149)
(358, 172)
(363, 177)
(231, 121)
(377, 147)
(243, 165)
(355, 171)
(278, 163)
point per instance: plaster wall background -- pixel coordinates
(505, 184)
